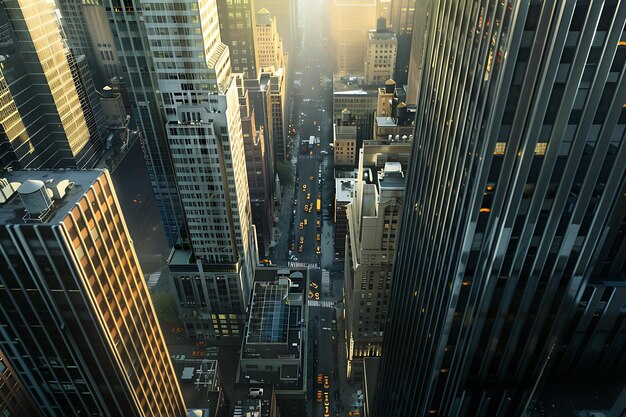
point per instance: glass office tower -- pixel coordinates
(516, 175)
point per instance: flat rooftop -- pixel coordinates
(79, 181)
(345, 188)
(261, 403)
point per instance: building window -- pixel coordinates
(500, 148)
(541, 147)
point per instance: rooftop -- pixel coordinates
(260, 402)
(63, 188)
(269, 313)
(345, 188)
(199, 383)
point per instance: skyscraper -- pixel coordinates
(373, 220)
(44, 124)
(417, 47)
(260, 175)
(380, 58)
(213, 273)
(515, 178)
(351, 22)
(14, 399)
(138, 75)
(402, 16)
(268, 43)
(286, 20)
(79, 329)
(237, 26)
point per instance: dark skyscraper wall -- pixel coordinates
(516, 173)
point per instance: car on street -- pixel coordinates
(317, 250)
(318, 237)
(308, 196)
(326, 411)
(320, 379)
(317, 223)
(318, 396)
(311, 177)
(304, 187)
(326, 382)
(300, 248)
(326, 400)
(301, 239)
(305, 221)
(301, 225)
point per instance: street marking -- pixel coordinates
(322, 303)
(303, 265)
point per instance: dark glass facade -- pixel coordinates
(139, 75)
(514, 195)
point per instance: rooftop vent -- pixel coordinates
(7, 189)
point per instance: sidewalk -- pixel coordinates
(347, 389)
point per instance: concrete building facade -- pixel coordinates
(268, 43)
(373, 221)
(380, 58)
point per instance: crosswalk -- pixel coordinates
(320, 303)
(307, 265)
(153, 279)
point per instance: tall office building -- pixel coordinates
(513, 193)
(350, 25)
(286, 21)
(402, 16)
(214, 274)
(418, 46)
(380, 58)
(137, 74)
(260, 176)
(14, 399)
(237, 26)
(373, 220)
(43, 124)
(268, 43)
(79, 329)
(88, 33)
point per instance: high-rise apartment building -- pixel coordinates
(351, 21)
(43, 124)
(237, 26)
(79, 329)
(515, 180)
(380, 58)
(268, 43)
(402, 17)
(373, 221)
